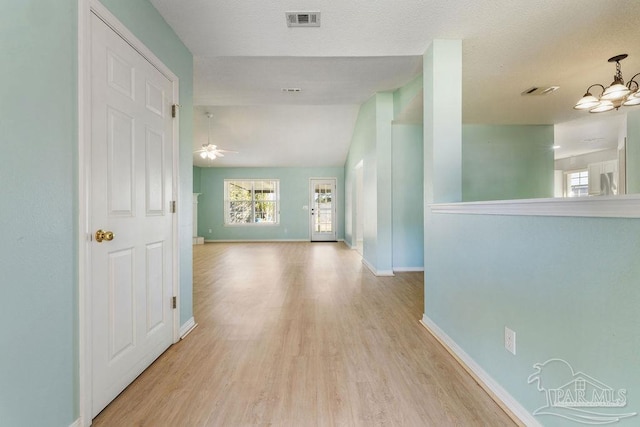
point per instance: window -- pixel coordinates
(251, 202)
(577, 183)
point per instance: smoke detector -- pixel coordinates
(303, 19)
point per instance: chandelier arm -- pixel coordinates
(597, 84)
(633, 81)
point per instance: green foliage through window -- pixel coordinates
(252, 201)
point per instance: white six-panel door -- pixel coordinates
(131, 191)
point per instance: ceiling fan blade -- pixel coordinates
(219, 154)
(227, 151)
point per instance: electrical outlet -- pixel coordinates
(210, 231)
(510, 340)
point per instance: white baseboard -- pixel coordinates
(510, 405)
(384, 273)
(407, 269)
(347, 244)
(76, 423)
(379, 273)
(188, 326)
(256, 241)
(369, 266)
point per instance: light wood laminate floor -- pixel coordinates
(302, 334)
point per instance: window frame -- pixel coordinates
(253, 181)
(567, 182)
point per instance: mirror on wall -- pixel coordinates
(590, 156)
(594, 155)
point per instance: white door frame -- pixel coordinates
(85, 8)
(333, 202)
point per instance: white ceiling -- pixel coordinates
(244, 54)
(277, 135)
(323, 81)
(590, 134)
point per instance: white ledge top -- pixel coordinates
(626, 206)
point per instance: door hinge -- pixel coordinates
(174, 110)
(174, 302)
(172, 206)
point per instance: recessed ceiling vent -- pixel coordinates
(303, 19)
(540, 90)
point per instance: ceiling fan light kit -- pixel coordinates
(211, 151)
(617, 94)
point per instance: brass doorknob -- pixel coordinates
(104, 235)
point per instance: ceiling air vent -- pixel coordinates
(303, 19)
(539, 91)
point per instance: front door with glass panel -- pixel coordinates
(323, 209)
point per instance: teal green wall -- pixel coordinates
(384, 155)
(197, 173)
(391, 172)
(407, 204)
(633, 152)
(403, 96)
(294, 194)
(144, 21)
(502, 162)
(38, 254)
(371, 144)
(362, 148)
(39, 257)
(567, 286)
(442, 102)
(407, 178)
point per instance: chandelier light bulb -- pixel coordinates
(603, 107)
(616, 91)
(631, 101)
(203, 155)
(587, 102)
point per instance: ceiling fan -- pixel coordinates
(211, 151)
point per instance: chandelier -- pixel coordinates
(614, 96)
